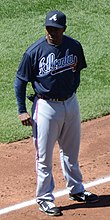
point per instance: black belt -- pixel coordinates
(52, 99)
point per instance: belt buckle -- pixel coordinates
(57, 100)
(54, 100)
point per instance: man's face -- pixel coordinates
(54, 35)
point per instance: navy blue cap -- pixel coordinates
(56, 19)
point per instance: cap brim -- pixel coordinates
(54, 25)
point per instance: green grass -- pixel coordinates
(21, 23)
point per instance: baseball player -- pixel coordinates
(53, 64)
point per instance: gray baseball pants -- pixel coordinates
(56, 121)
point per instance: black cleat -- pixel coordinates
(85, 196)
(49, 208)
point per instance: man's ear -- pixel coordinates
(65, 28)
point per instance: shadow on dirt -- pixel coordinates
(104, 201)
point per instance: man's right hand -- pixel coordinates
(25, 119)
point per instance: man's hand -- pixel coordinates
(25, 119)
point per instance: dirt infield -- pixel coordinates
(18, 177)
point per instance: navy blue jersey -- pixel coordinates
(54, 71)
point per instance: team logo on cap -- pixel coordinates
(54, 17)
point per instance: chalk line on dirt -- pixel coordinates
(56, 194)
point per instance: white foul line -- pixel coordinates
(56, 194)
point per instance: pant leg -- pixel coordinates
(45, 132)
(69, 142)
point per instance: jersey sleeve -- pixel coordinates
(20, 92)
(24, 71)
(82, 61)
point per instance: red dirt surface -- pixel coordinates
(18, 177)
